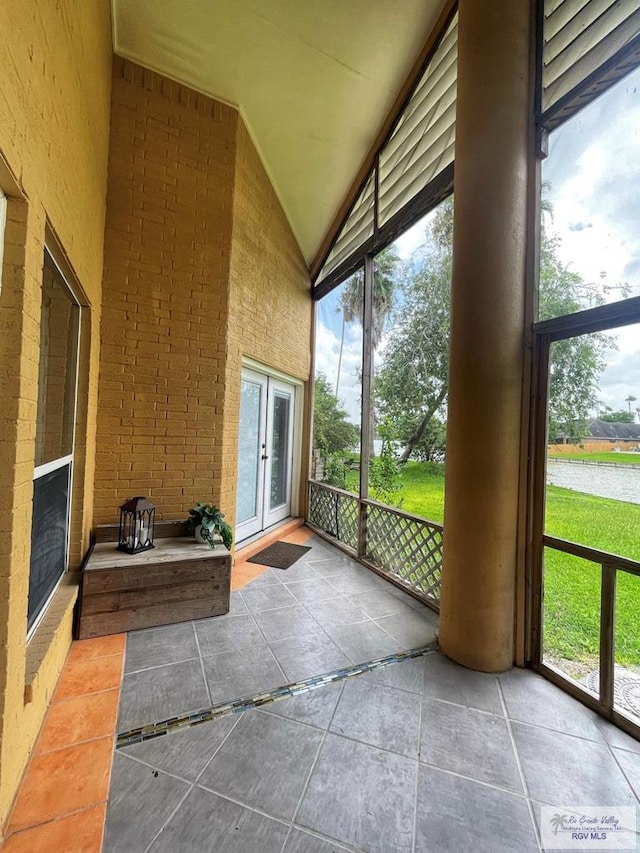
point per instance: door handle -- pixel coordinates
(264, 457)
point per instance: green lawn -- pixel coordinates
(572, 585)
(423, 490)
(627, 458)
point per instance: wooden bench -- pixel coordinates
(175, 581)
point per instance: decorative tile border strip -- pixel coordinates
(237, 706)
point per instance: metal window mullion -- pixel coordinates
(365, 417)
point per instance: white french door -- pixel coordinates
(265, 452)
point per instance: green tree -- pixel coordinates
(385, 479)
(576, 363)
(332, 432)
(411, 386)
(619, 417)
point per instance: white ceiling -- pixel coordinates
(313, 79)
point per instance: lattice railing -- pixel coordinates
(335, 512)
(404, 547)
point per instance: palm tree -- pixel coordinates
(351, 305)
(629, 400)
(352, 299)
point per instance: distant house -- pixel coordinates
(621, 435)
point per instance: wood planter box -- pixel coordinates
(176, 581)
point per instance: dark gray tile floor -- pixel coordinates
(419, 756)
(324, 613)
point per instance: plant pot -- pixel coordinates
(216, 539)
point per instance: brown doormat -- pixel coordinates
(280, 555)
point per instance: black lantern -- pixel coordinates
(136, 525)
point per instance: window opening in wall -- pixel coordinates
(55, 423)
(411, 367)
(338, 386)
(590, 251)
(590, 557)
(586, 504)
(380, 406)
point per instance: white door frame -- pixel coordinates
(284, 390)
(258, 372)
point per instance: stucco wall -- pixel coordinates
(54, 120)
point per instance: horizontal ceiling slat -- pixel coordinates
(418, 177)
(443, 90)
(357, 228)
(585, 39)
(424, 94)
(442, 118)
(420, 147)
(575, 27)
(559, 13)
(579, 62)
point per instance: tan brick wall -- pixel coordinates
(165, 308)
(270, 307)
(201, 268)
(54, 115)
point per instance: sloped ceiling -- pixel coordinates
(313, 79)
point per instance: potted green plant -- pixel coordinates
(209, 525)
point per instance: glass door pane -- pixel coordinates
(280, 444)
(250, 450)
(279, 454)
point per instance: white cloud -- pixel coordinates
(327, 358)
(594, 172)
